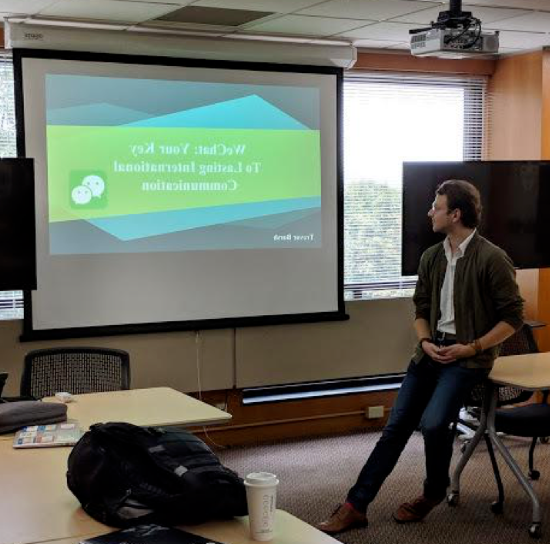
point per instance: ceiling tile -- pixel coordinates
(487, 15)
(372, 10)
(398, 32)
(278, 6)
(523, 40)
(108, 10)
(28, 7)
(304, 25)
(532, 22)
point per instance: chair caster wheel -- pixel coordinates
(544, 439)
(535, 530)
(534, 474)
(497, 507)
(453, 499)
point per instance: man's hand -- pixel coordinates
(447, 354)
(435, 352)
(457, 351)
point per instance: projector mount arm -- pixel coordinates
(455, 18)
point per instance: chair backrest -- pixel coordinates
(75, 370)
(520, 343)
(3, 378)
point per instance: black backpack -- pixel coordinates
(125, 475)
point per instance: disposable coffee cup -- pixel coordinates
(261, 492)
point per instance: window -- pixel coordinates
(11, 302)
(388, 119)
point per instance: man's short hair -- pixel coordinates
(463, 196)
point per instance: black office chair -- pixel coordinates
(75, 370)
(532, 420)
(3, 378)
(520, 343)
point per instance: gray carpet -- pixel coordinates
(316, 473)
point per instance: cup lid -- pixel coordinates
(261, 478)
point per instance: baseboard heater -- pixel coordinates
(326, 388)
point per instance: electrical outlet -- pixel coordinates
(375, 412)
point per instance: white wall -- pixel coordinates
(378, 339)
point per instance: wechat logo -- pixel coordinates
(88, 190)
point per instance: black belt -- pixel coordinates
(444, 338)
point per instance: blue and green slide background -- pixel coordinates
(93, 122)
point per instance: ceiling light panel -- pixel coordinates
(304, 26)
(486, 15)
(279, 6)
(200, 15)
(373, 10)
(108, 10)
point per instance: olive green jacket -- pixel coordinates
(485, 293)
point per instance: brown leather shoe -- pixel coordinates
(343, 518)
(416, 510)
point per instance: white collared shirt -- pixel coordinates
(446, 322)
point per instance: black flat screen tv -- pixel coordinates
(17, 225)
(516, 207)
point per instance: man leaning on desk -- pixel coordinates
(467, 303)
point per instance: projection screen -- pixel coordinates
(178, 194)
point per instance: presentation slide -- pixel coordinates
(141, 165)
(184, 195)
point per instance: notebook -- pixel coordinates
(56, 434)
(149, 534)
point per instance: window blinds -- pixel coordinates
(7, 109)
(11, 302)
(390, 118)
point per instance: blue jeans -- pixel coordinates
(431, 395)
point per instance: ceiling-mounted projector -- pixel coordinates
(455, 34)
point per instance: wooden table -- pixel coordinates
(36, 506)
(156, 406)
(39, 505)
(530, 372)
(288, 530)
(35, 502)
